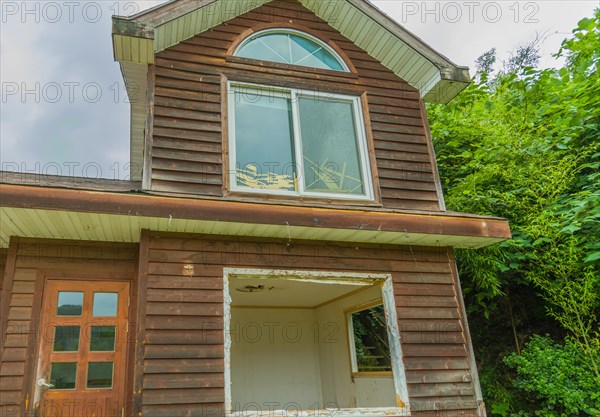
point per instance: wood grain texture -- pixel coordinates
(187, 154)
(3, 260)
(184, 352)
(32, 262)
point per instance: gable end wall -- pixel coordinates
(190, 133)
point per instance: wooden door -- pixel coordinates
(83, 348)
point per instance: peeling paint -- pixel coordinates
(323, 277)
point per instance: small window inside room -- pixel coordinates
(287, 46)
(289, 349)
(369, 344)
(295, 142)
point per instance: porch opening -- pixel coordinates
(309, 343)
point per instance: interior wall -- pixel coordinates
(275, 360)
(340, 389)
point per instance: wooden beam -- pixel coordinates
(149, 131)
(125, 27)
(444, 223)
(7, 285)
(140, 336)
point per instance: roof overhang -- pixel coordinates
(137, 38)
(45, 212)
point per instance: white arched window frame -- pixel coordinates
(282, 58)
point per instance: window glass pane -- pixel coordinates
(105, 304)
(257, 50)
(66, 339)
(69, 303)
(63, 375)
(290, 49)
(329, 145)
(100, 375)
(102, 339)
(308, 53)
(371, 340)
(263, 141)
(271, 47)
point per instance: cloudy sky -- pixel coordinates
(64, 109)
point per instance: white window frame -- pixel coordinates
(297, 33)
(293, 94)
(352, 341)
(323, 277)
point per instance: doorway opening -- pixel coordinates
(301, 342)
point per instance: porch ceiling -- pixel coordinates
(118, 217)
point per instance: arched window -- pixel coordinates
(290, 47)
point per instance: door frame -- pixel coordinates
(33, 357)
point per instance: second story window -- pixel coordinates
(296, 142)
(291, 47)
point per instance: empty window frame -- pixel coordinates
(369, 341)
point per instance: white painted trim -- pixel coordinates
(389, 304)
(324, 277)
(351, 342)
(287, 31)
(227, 339)
(293, 93)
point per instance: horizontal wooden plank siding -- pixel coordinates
(183, 364)
(58, 259)
(3, 257)
(187, 154)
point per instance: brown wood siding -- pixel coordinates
(3, 256)
(183, 365)
(33, 259)
(187, 152)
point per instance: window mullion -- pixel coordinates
(299, 160)
(363, 147)
(231, 95)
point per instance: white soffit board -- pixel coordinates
(58, 224)
(200, 20)
(437, 78)
(387, 48)
(136, 76)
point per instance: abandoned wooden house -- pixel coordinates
(282, 248)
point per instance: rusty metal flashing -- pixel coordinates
(490, 229)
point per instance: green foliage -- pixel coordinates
(559, 376)
(525, 145)
(371, 343)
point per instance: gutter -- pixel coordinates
(443, 224)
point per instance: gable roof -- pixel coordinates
(137, 38)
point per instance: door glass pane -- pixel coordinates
(329, 143)
(263, 141)
(102, 339)
(66, 339)
(63, 375)
(100, 375)
(105, 304)
(69, 303)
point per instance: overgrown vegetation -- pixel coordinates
(524, 144)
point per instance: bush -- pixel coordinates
(558, 377)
